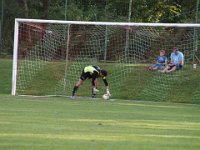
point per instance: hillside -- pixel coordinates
(131, 82)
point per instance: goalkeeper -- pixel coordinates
(92, 72)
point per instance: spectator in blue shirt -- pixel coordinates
(177, 61)
(161, 61)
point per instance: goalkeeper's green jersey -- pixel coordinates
(92, 69)
(92, 72)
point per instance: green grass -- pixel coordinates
(5, 76)
(84, 124)
(125, 81)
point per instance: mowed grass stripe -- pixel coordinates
(145, 124)
(151, 105)
(124, 137)
(136, 124)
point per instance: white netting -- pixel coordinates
(52, 56)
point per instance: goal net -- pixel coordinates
(50, 55)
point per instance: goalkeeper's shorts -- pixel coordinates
(84, 75)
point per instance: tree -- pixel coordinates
(96, 10)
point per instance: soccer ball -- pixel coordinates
(105, 96)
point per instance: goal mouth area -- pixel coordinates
(49, 56)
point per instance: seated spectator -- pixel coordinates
(177, 61)
(161, 61)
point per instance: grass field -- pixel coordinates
(85, 124)
(5, 76)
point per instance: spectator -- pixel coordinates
(177, 61)
(161, 61)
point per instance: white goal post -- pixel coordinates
(48, 55)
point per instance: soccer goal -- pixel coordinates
(49, 56)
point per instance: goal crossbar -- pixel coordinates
(109, 23)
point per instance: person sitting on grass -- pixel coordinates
(92, 72)
(177, 61)
(161, 61)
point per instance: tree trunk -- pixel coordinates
(46, 8)
(26, 8)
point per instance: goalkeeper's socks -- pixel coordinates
(74, 90)
(94, 92)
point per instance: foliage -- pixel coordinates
(94, 10)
